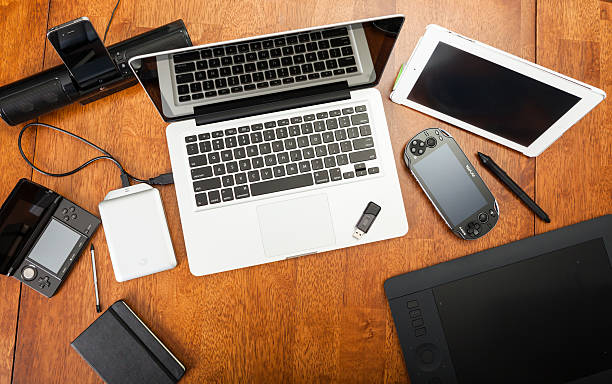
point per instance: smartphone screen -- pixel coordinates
(82, 52)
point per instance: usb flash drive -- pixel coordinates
(366, 220)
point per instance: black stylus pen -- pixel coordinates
(503, 176)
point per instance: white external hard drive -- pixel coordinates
(136, 232)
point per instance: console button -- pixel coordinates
(72, 209)
(415, 313)
(482, 217)
(428, 357)
(431, 142)
(73, 216)
(28, 273)
(64, 211)
(412, 304)
(476, 232)
(66, 218)
(476, 226)
(492, 213)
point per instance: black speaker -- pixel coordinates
(52, 89)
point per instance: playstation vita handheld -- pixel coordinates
(451, 183)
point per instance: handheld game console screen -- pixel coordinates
(527, 319)
(54, 246)
(489, 96)
(441, 169)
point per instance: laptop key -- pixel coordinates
(241, 191)
(346, 61)
(219, 169)
(231, 167)
(258, 162)
(184, 78)
(207, 184)
(333, 148)
(227, 181)
(192, 149)
(214, 197)
(321, 177)
(187, 56)
(201, 199)
(253, 176)
(368, 154)
(342, 159)
(282, 184)
(342, 31)
(292, 169)
(241, 178)
(304, 166)
(335, 174)
(266, 173)
(340, 41)
(197, 161)
(365, 130)
(363, 143)
(239, 153)
(279, 171)
(201, 173)
(227, 194)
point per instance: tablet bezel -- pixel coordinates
(411, 71)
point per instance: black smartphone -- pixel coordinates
(452, 184)
(83, 53)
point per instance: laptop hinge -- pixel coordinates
(257, 105)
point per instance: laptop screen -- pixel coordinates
(229, 75)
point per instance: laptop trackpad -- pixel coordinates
(296, 226)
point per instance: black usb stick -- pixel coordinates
(366, 220)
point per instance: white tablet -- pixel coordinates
(490, 92)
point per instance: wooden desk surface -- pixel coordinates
(321, 318)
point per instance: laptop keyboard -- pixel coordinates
(266, 63)
(280, 155)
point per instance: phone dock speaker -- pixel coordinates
(52, 89)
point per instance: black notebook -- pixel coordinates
(121, 349)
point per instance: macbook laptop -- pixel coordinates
(278, 142)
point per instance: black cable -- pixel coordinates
(125, 176)
(110, 21)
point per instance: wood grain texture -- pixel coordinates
(321, 318)
(23, 23)
(574, 175)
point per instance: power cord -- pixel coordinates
(110, 21)
(163, 179)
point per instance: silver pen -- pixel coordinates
(95, 277)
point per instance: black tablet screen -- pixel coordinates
(547, 319)
(489, 96)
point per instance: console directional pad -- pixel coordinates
(43, 282)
